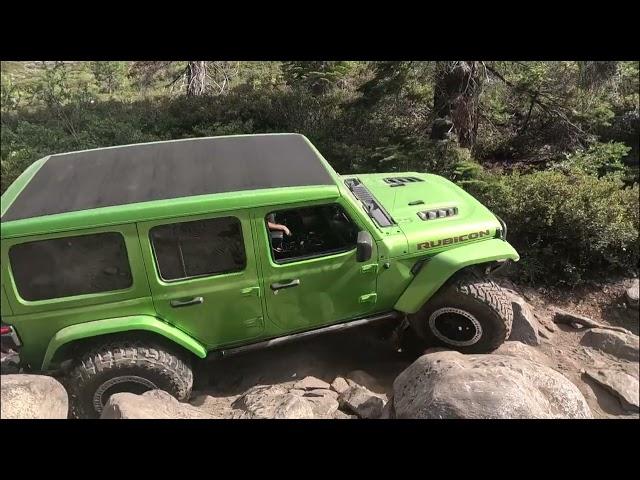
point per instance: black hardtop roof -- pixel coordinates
(162, 170)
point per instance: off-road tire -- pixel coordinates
(118, 361)
(476, 300)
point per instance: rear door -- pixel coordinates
(203, 276)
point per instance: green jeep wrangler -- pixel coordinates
(123, 266)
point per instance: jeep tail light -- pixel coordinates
(9, 337)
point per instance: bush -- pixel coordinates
(599, 159)
(566, 226)
(566, 223)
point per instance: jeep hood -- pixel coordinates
(404, 195)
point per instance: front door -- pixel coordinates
(310, 273)
(203, 276)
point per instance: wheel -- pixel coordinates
(470, 314)
(125, 366)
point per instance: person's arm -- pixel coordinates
(277, 226)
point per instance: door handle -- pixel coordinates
(186, 303)
(369, 297)
(285, 284)
(250, 291)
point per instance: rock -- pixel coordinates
(624, 386)
(9, 362)
(452, 385)
(580, 321)
(340, 415)
(339, 385)
(388, 411)
(323, 407)
(241, 415)
(525, 327)
(361, 401)
(32, 397)
(360, 377)
(321, 393)
(297, 391)
(632, 294)
(311, 383)
(276, 401)
(621, 345)
(290, 406)
(520, 350)
(154, 404)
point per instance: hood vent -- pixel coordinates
(401, 181)
(438, 213)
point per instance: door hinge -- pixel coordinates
(369, 297)
(250, 291)
(372, 267)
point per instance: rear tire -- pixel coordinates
(125, 366)
(470, 314)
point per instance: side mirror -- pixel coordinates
(364, 247)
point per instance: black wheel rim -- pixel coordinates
(455, 326)
(126, 383)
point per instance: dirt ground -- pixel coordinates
(336, 354)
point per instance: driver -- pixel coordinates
(276, 240)
(273, 226)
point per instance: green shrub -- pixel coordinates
(566, 226)
(599, 159)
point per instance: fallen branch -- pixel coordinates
(568, 318)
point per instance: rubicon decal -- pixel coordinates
(451, 240)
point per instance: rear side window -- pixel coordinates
(63, 267)
(199, 248)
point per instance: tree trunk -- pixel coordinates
(455, 99)
(196, 78)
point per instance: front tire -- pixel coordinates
(125, 366)
(470, 314)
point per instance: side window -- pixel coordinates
(198, 248)
(63, 267)
(308, 232)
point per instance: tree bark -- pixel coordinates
(455, 100)
(196, 78)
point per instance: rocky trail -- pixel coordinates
(568, 357)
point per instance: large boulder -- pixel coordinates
(154, 404)
(447, 384)
(525, 327)
(520, 350)
(618, 344)
(32, 396)
(287, 402)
